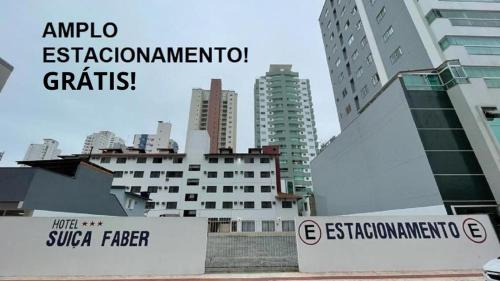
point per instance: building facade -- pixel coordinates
(101, 140)
(416, 84)
(46, 151)
(284, 116)
(239, 190)
(215, 111)
(154, 142)
(5, 71)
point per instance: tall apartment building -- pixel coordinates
(284, 116)
(102, 140)
(46, 151)
(5, 71)
(155, 142)
(241, 191)
(417, 88)
(215, 111)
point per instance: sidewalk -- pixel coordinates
(399, 276)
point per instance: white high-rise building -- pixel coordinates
(214, 111)
(154, 142)
(46, 151)
(417, 89)
(102, 140)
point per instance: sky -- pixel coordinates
(275, 32)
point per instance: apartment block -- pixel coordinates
(5, 71)
(284, 117)
(240, 191)
(45, 151)
(158, 141)
(101, 140)
(215, 111)
(417, 90)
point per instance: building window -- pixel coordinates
(174, 174)
(130, 204)
(265, 174)
(364, 91)
(117, 174)
(173, 189)
(248, 205)
(227, 189)
(138, 174)
(212, 174)
(344, 93)
(210, 205)
(135, 189)
(358, 25)
(248, 188)
(150, 205)
(228, 160)
(375, 79)
(247, 226)
(286, 204)
(364, 42)
(171, 205)
(359, 72)
(154, 174)
(189, 213)
(266, 204)
(141, 160)
(193, 181)
(369, 59)
(268, 226)
(211, 189)
(388, 33)
(228, 174)
(265, 189)
(106, 160)
(249, 160)
(248, 174)
(157, 160)
(264, 160)
(121, 160)
(337, 63)
(351, 39)
(178, 160)
(287, 226)
(152, 189)
(213, 160)
(194, 167)
(355, 55)
(191, 197)
(396, 55)
(227, 205)
(381, 14)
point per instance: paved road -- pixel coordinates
(432, 276)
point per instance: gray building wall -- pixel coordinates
(405, 36)
(87, 192)
(5, 70)
(378, 163)
(122, 196)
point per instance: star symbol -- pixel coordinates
(99, 223)
(84, 223)
(92, 224)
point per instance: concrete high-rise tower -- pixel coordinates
(5, 70)
(284, 116)
(215, 111)
(153, 142)
(46, 151)
(101, 140)
(417, 89)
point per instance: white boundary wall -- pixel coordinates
(350, 243)
(145, 246)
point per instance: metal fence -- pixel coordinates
(231, 251)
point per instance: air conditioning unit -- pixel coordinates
(126, 172)
(162, 172)
(294, 202)
(274, 202)
(241, 202)
(202, 203)
(235, 202)
(203, 187)
(272, 187)
(241, 187)
(204, 172)
(166, 179)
